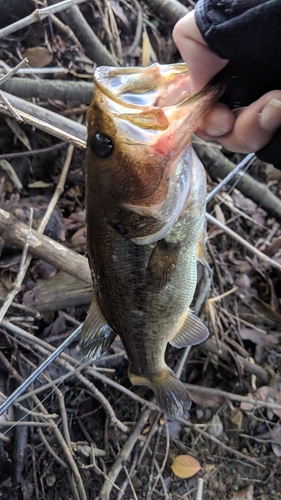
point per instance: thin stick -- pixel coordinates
(26, 383)
(13, 71)
(199, 495)
(248, 160)
(243, 242)
(123, 455)
(37, 15)
(21, 274)
(46, 127)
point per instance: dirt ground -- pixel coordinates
(82, 431)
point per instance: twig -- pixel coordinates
(45, 248)
(165, 457)
(220, 443)
(50, 129)
(218, 166)
(50, 449)
(172, 10)
(199, 495)
(65, 91)
(55, 429)
(37, 15)
(123, 455)
(13, 71)
(21, 274)
(243, 242)
(93, 47)
(49, 149)
(26, 383)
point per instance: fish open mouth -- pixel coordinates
(155, 98)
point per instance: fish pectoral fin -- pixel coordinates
(161, 265)
(192, 332)
(96, 336)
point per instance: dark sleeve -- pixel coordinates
(248, 33)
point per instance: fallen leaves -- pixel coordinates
(264, 393)
(185, 466)
(38, 57)
(245, 494)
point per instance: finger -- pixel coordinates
(255, 125)
(201, 61)
(219, 121)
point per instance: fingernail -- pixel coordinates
(270, 117)
(216, 131)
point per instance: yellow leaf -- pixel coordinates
(145, 59)
(38, 57)
(185, 466)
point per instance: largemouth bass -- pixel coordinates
(145, 203)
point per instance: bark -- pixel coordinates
(69, 126)
(60, 292)
(45, 248)
(172, 10)
(72, 93)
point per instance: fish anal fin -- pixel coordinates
(161, 265)
(192, 332)
(96, 336)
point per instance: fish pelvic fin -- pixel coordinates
(96, 336)
(192, 332)
(171, 395)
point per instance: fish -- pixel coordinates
(145, 212)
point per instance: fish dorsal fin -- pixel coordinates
(161, 265)
(192, 332)
(96, 336)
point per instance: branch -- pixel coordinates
(43, 247)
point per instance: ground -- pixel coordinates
(88, 433)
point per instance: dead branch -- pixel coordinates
(45, 248)
(94, 49)
(211, 346)
(123, 456)
(48, 117)
(218, 166)
(37, 15)
(62, 291)
(243, 242)
(170, 9)
(66, 91)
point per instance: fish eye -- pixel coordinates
(101, 145)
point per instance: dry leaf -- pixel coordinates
(245, 494)
(275, 435)
(38, 57)
(145, 58)
(215, 427)
(205, 400)
(264, 393)
(185, 466)
(236, 418)
(5, 165)
(19, 133)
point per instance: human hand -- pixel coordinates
(242, 130)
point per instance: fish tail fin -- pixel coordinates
(171, 395)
